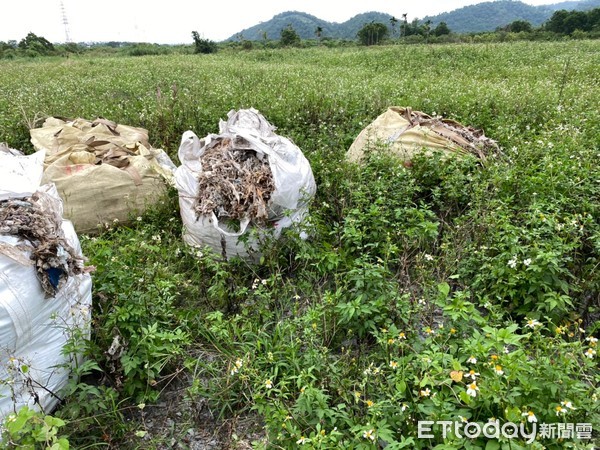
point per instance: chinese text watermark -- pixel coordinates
(508, 430)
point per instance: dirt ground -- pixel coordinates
(177, 421)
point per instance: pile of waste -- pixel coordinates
(105, 172)
(244, 178)
(235, 183)
(45, 289)
(40, 230)
(406, 133)
(468, 138)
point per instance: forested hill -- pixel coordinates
(578, 5)
(486, 16)
(306, 26)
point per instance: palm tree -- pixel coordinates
(319, 32)
(393, 22)
(427, 28)
(405, 17)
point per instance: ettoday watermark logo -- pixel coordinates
(508, 430)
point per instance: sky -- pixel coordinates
(172, 21)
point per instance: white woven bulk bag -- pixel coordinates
(35, 326)
(20, 175)
(294, 185)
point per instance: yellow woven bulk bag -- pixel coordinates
(104, 172)
(406, 133)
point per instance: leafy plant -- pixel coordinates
(29, 429)
(202, 45)
(289, 37)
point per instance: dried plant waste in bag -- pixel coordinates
(235, 182)
(466, 137)
(244, 181)
(102, 170)
(40, 229)
(406, 133)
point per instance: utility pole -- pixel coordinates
(65, 21)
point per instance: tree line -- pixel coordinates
(576, 24)
(561, 23)
(567, 22)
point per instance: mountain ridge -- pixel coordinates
(481, 17)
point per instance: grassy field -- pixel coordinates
(410, 280)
